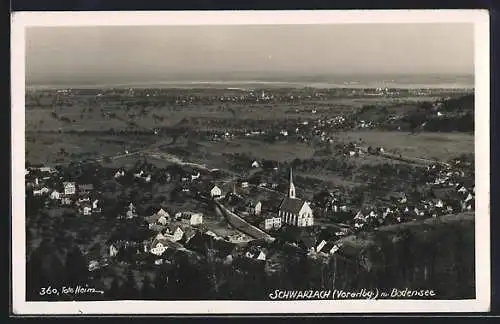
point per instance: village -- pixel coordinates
(177, 225)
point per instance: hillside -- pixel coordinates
(436, 254)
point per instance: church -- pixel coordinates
(295, 211)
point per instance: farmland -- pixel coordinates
(355, 150)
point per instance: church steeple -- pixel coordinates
(291, 190)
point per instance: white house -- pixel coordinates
(258, 208)
(54, 195)
(196, 176)
(66, 201)
(244, 184)
(113, 251)
(261, 256)
(255, 164)
(162, 220)
(215, 192)
(360, 216)
(196, 219)
(40, 192)
(86, 210)
(334, 249)
(69, 188)
(119, 173)
(95, 206)
(93, 265)
(131, 207)
(163, 213)
(321, 245)
(176, 235)
(272, 222)
(130, 214)
(158, 247)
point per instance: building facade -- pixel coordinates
(295, 211)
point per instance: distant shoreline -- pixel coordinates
(252, 84)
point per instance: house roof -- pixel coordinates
(327, 247)
(271, 205)
(291, 205)
(166, 242)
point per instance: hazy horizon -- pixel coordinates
(319, 53)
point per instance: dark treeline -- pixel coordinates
(413, 259)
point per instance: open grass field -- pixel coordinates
(441, 146)
(279, 151)
(46, 147)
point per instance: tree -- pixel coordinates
(76, 267)
(114, 290)
(147, 289)
(129, 289)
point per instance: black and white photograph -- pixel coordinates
(250, 162)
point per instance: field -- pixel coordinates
(440, 146)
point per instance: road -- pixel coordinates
(242, 225)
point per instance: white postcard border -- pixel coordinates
(480, 19)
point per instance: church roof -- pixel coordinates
(292, 205)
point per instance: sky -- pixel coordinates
(133, 53)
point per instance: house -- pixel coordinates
(113, 251)
(41, 191)
(85, 189)
(261, 256)
(95, 206)
(320, 246)
(86, 209)
(69, 188)
(82, 200)
(119, 174)
(196, 219)
(66, 200)
(93, 265)
(244, 184)
(272, 222)
(55, 195)
(163, 213)
(162, 220)
(131, 207)
(438, 203)
(257, 208)
(215, 192)
(295, 211)
(255, 164)
(157, 219)
(159, 246)
(130, 214)
(176, 235)
(360, 216)
(195, 176)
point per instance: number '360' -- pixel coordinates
(48, 291)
